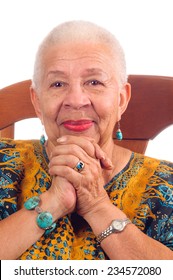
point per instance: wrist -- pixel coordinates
(116, 226)
(44, 219)
(50, 204)
(100, 218)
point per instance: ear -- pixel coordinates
(36, 103)
(125, 96)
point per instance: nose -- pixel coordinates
(76, 97)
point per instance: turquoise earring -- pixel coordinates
(119, 135)
(42, 138)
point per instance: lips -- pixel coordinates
(78, 125)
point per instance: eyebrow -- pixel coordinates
(94, 70)
(55, 73)
(89, 71)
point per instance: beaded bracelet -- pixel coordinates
(44, 219)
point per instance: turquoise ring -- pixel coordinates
(79, 166)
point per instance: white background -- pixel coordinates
(143, 27)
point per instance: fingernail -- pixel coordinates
(109, 162)
(102, 157)
(61, 139)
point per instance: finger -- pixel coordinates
(90, 147)
(70, 161)
(101, 155)
(77, 179)
(85, 143)
(70, 150)
(66, 172)
(106, 163)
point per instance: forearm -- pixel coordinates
(131, 243)
(19, 231)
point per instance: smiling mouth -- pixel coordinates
(78, 125)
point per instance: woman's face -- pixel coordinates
(79, 92)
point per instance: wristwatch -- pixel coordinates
(115, 227)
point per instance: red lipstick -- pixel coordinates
(78, 125)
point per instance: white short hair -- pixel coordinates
(75, 31)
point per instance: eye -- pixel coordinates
(94, 83)
(57, 84)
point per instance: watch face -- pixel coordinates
(118, 225)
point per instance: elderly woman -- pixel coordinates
(78, 195)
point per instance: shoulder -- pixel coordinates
(7, 143)
(159, 198)
(158, 177)
(13, 153)
(152, 163)
(160, 165)
(153, 169)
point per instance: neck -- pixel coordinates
(108, 147)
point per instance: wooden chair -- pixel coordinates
(149, 112)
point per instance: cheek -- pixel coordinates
(50, 109)
(49, 115)
(107, 109)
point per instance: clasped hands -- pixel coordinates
(81, 191)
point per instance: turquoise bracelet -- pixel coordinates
(44, 219)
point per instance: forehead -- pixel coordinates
(65, 54)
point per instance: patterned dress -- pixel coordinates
(143, 190)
